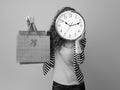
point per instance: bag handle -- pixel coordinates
(31, 25)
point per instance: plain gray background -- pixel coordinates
(102, 66)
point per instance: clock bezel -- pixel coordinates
(63, 14)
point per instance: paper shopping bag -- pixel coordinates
(33, 48)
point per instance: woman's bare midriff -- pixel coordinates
(64, 70)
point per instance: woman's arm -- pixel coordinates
(79, 49)
(80, 43)
(49, 64)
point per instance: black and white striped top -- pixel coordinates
(77, 60)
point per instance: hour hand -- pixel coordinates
(66, 23)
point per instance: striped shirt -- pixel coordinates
(77, 60)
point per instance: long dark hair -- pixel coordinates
(56, 42)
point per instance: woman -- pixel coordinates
(65, 58)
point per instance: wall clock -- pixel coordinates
(70, 25)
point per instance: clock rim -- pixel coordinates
(73, 12)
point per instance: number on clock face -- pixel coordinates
(69, 25)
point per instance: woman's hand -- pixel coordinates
(81, 37)
(78, 45)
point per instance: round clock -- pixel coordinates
(70, 25)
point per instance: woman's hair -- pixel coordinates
(56, 42)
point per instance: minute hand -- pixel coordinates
(75, 24)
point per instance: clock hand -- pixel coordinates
(75, 24)
(66, 23)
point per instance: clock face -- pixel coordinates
(70, 25)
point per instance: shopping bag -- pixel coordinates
(33, 47)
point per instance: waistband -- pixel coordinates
(56, 84)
